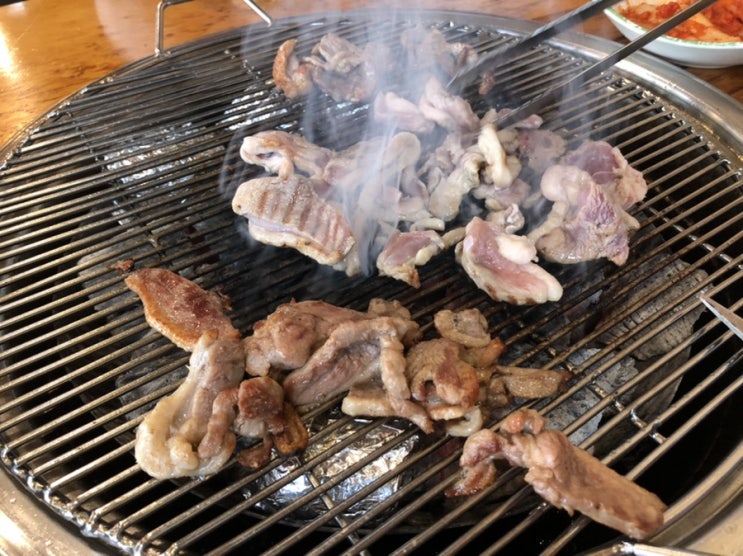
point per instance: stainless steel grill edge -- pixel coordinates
(140, 165)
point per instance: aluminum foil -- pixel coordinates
(386, 434)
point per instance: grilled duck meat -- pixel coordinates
(564, 475)
(290, 74)
(178, 308)
(288, 212)
(168, 438)
(284, 153)
(254, 409)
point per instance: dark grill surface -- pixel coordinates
(140, 166)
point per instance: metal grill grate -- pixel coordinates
(140, 165)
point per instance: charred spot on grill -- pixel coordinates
(80, 367)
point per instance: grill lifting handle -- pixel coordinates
(160, 20)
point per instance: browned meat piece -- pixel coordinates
(255, 409)
(435, 368)
(585, 223)
(282, 153)
(288, 336)
(564, 475)
(467, 327)
(405, 251)
(360, 352)
(476, 463)
(609, 169)
(168, 438)
(503, 266)
(531, 383)
(289, 74)
(288, 212)
(178, 308)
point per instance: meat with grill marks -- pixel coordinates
(564, 475)
(288, 212)
(254, 409)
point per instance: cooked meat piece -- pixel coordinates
(500, 198)
(661, 289)
(501, 169)
(288, 212)
(610, 170)
(428, 51)
(468, 424)
(584, 223)
(476, 463)
(467, 327)
(564, 475)
(345, 71)
(447, 190)
(293, 438)
(282, 153)
(167, 440)
(287, 337)
(252, 410)
(503, 266)
(449, 111)
(289, 74)
(434, 368)
(405, 251)
(397, 112)
(360, 352)
(255, 409)
(351, 354)
(531, 383)
(178, 308)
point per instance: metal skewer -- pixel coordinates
(539, 102)
(555, 27)
(730, 319)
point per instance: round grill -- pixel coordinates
(139, 167)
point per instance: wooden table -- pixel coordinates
(50, 49)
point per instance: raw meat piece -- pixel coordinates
(503, 265)
(405, 251)
(585, 223)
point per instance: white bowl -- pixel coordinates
(697, 54)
